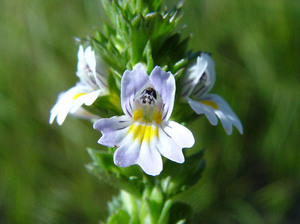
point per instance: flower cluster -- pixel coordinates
(145, 132)
(140, 85)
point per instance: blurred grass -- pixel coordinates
(254, 178)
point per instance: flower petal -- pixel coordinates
(69, 102)
(113, 130)
(180, 134)
(90, 59)
(172, 138)
(201, 108)
(131, 83)
(164, 84)
(127, 154)
(86, 61)
(168, 148)
(87, 98)
(193, 76)
(225, 113)
(213, 103)
(150, 159)
(138, 151)
(200, 77)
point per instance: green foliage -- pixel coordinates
(145, 199)
(139, 32)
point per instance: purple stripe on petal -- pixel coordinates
(102, 82)
(130, 105)
(166, 113)
(166, 132)
(121, 128)
(188, 82)
(198, 90)
(128, 111)
(185, 92)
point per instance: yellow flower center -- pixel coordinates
(145, 116)
(143, 132)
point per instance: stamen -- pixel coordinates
(148, 96)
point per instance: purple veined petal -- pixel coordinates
(180, 134)
(89, 69)
(101, 79)
(193, 76)
(145, 155)
(168, 147)
(172, 138)
(114, 130)
(86, 61)
(90, 59)
(210, 71)
(201, 108)
(225, 113)
(200, 77)
(139, 150)
(131, 83)
(149, 158)
(164, 83)
(127, 154)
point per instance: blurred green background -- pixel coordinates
(254, 178)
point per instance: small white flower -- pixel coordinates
(197, 83)
(91, 85)
(145, 133)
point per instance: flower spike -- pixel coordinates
(145, 133)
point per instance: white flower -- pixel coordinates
(197, 83)
(91, 85)
(145, 133)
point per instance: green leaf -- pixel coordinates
(180, 213)
(156, 201)
(175, 180)
(119, 217)
(148, 55)
(165, 213)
